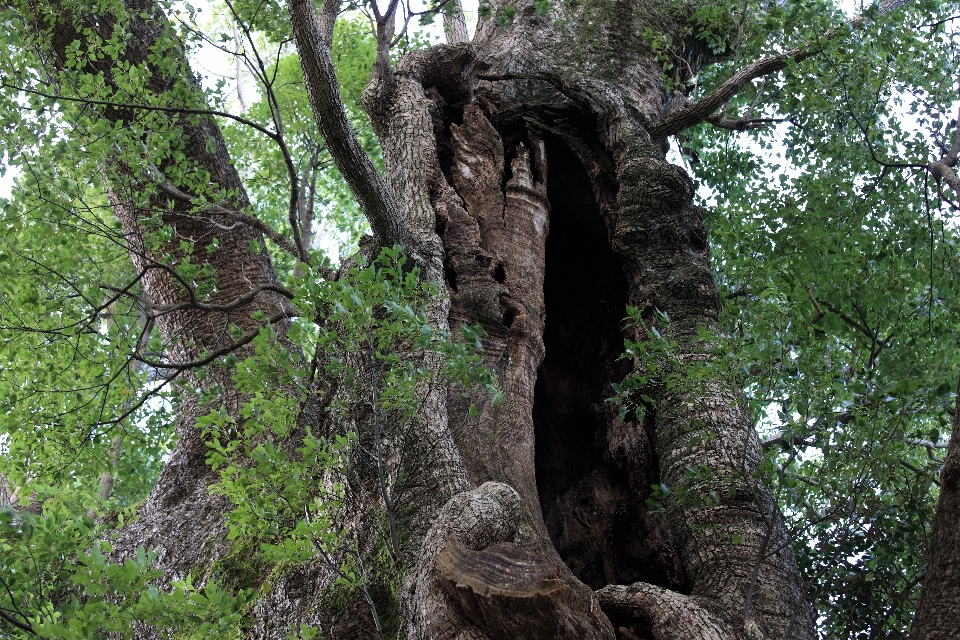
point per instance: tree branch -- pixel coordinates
(13, 601)
(793, 440)
(146, 107)
(454, 24)
(19, 625)
(943, 169)
(816, 305)
(234, 304)
(742, 124)
(843, 316)
(701, 110)
(170, 190)
(213, 355)
(278, 125)
(927, 443)
(918, 471)
(314, 36)
(245, 218)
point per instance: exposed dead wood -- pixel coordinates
(511, 593)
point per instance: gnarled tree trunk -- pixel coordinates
(938, 612)
(522, 178)
(527, 153)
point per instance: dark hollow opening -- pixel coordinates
(593, 471)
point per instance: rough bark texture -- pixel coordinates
(180, 519)
(520, 170)
(454, 23)
(580, 98)
(938, 612)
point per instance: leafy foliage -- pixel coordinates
(837, 254)
(370, 331)
(835, 249)
(262, 164)
(58, 581)
(287, 483)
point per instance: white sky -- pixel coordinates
(6, 180)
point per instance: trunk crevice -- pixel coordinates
(593, 470)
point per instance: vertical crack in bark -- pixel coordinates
(594, 471)
(495, 253)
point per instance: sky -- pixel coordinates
(6, 180)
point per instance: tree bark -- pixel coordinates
(180, 506)
(938, 612)
(529, 99)
(520, 171)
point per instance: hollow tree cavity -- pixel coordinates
(594, 471)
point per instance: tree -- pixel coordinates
(525, 184)
(936, 612)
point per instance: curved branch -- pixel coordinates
(277, 137)
(927, 444)
(873, 336)
(146, 107)
(210, 357)
(19, 625)
(251, 221)
(142, 401)
(278, 125)
(791, 439)
(918, 471)
(234, 304)
(742, 124)
(701, 110)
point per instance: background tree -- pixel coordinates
(352, 470)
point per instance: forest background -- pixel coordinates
(834, 246)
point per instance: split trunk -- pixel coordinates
(533, 195)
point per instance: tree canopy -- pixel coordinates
(828, 185)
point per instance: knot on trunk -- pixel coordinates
(472, 581)
(476, 519)
(665, 614)
(510, 593)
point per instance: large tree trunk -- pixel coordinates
(526, 152)
(938, 612)
(529, 189)
(180, 518)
